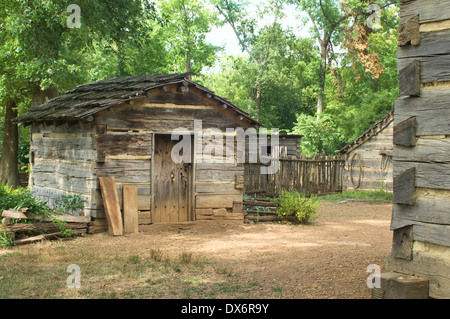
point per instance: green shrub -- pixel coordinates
(22, 198)
(296, 207)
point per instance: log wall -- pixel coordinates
(369, 165)
(62, 161)
(421, 198)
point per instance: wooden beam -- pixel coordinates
(409, 32)
(402, 243)
(404, 187)
(409, 79)
(400, 286)
(405, 132)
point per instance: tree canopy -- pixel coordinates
(328, 75)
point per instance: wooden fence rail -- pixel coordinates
(316, 175)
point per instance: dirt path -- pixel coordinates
(328, 259)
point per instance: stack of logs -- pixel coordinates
(44, 224)
(257, 215)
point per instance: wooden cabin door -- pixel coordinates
(171, 184)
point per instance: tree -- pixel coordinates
(364, 85)
(259, 46)
(327, 19)
(41, 55)
(186, 23)
(287, 81)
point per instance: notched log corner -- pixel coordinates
(409, 32)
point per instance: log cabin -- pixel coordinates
(122, 128)
(368, 158)
(418, 263)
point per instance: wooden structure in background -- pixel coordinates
(315, 175)
(368, 158)
(421, 201)
(122, 128)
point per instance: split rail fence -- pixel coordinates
(314, 175)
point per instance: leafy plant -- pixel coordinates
(6, 239)
(69, 204)
(22, 198)
(296, 207)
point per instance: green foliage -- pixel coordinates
(6, 239)
(373, 196)
(22, 198)
(69, 204)
(319, 135)
(296, 207)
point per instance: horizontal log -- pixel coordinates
(432, 43)
(433, 210)
(213, 175)
(21, 227)
(79, 127)
(259, 212)
(216, 201)
(66, 218)
(125, 171)
(428, 10)
(431, 111)
(130, 144)
(262, 218)
(432, 68)
(37, 238)
(217, 188)
(74, 149)
(427, 175)
(432, 233)
(259, 203)
(64, 168)
(426, 150)
(65, 183)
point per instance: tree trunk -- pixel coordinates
(9, 163)
(322, 76)
(120, 58)
(258, 103)
(188, 65)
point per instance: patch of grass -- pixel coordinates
(156, 254)
(41, 272)
(277, 289)
(223, 270)
(374, 196)
(186, 257)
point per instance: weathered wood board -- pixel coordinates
(111, 204)
(130, 209)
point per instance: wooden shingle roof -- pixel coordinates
(372, 131)
(88, 99)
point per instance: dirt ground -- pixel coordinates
(327, 259)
